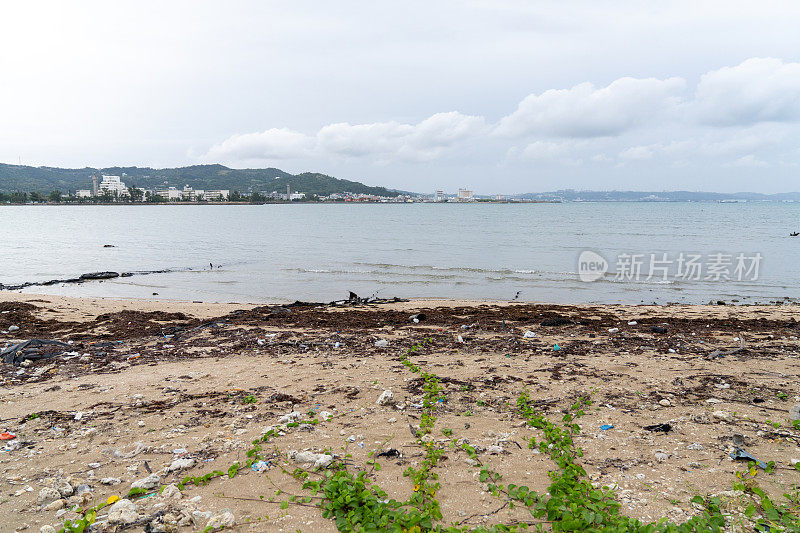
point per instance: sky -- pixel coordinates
(498, 96)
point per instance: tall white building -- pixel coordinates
(114, 185)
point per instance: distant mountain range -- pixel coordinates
(45, 179)
(570, 195)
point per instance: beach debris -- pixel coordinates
(460, 339)
(633, 323)
(794, 411)
(556, 321)
(664, 402)
(381, 343)
(386, 398)
(494, 450)
(658, 329)
(722, 353)
(613, 330)
(659, 428)
(660, 456)
(13, 328)
(260, 466)
(528, 335)
(556, 347)
(390, 453)
(740, 454)
(606, 427)
(7, 436)
(33, 350)
(416, 319)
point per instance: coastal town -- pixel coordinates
(113, 189)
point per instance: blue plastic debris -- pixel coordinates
(741, 455)
(556, 347)
(606, 427)
(260, 466)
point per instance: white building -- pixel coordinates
(170, 194)
(439, 196)
(464, 195)
(221, 194)
(114, 185)
(83, 193)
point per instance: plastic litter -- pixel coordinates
(7, 436)
(606, 427)
(659, 428)
(741, 455)
(391, 452)
(34, 350)
(556, 347)
(528, 335)
(613, 330)
(381, 343)
(260, 466)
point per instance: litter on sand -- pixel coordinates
(741, 455)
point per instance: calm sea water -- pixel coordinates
(479, 251)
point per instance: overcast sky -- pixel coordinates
(497, 96)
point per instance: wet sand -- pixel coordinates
(175, 376)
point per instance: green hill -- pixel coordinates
(45, 179)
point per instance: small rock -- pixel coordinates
(320, 460)
(172, 491)
(722, 415)
(150, 482)
(56, 505)
(110, 481)
(123, 512)
(494, 450)
(794, 412)
(381, 343)
(222, 520)
(613, 330)
(694, 446)
(13, 328)
(288, 418)
(181, 464)
(47, 529)
(48, 495)
(661, 456)
(63, 487)
(386, 398)
(201, 517)
(664, 402)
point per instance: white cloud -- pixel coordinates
(632, 120)
(423, 141)
(273, 143)
(748, 160)
(541, 150)
(587, 111)
(756, 90)
(382, 140)
(637, 153)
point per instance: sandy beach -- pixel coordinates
(169, 389)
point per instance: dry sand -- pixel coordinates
(152, 377)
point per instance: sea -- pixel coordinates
(536, 252)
